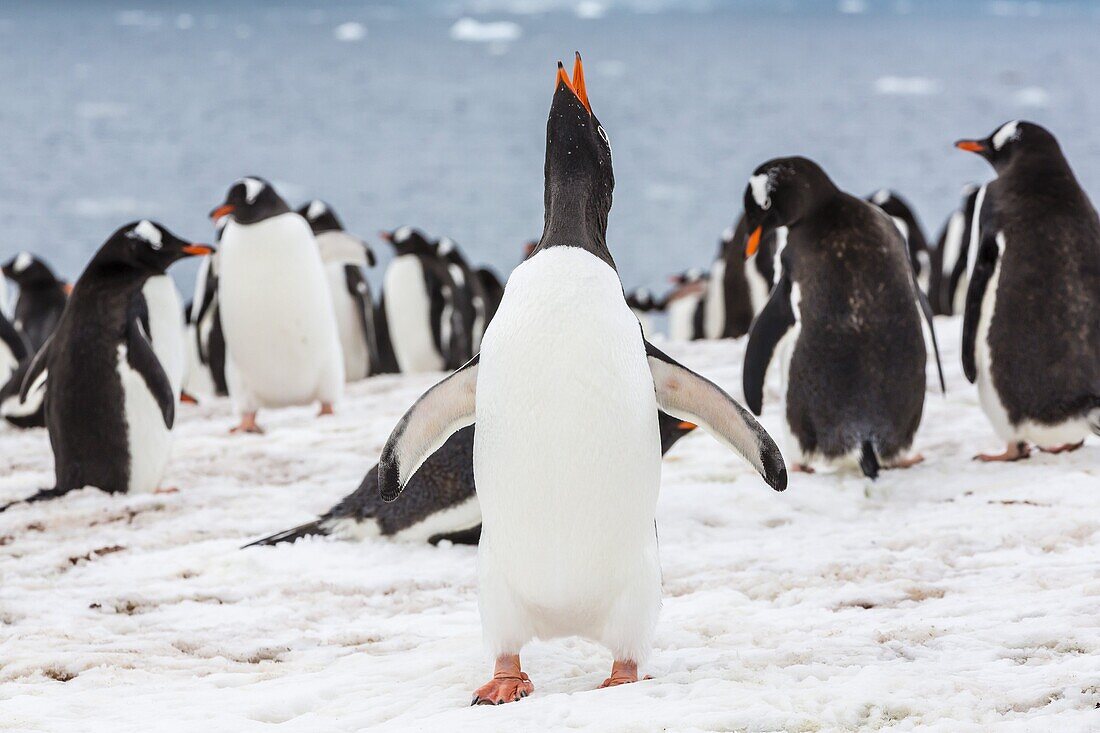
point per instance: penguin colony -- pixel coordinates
(836, 292)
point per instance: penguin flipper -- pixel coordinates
(439, 413)
(359, 290)
(926, 310)
(984, 265)
(291, 535)
(35, 377)
(143, 360)
(767, 331)
(688, 396)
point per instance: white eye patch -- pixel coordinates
(761, 187)
(148, 232)
(1007, 133)
(402, 234)
(252, 188)
(446, 245)
(22, 261)
(316, 209)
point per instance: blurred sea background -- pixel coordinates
(432, 112)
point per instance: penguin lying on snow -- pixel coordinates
(1031, 331)
(110, 411)
(565, 393)
(855, 376)
(41, 298)
(280, 330)
(441, 503)
(345, 258)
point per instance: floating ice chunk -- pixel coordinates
(590, 9)
(852, 7)
(469, 29)
(915, 85)
(350, 32)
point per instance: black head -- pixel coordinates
(672, 429)
(448, 249)
(26, 270)
(409, 241)
(640, 300)
(1011, 142)
(145, 247)
(320, 216)
(579, 179)
(780, 193)
(250, 200)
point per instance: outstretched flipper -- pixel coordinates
(684, 394)
(984, 266)
(767, 331)
(439, 413)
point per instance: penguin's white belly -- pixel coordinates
(8, 362)
(759, 288)
(409, 316)
(567, 460)
(197, 379)
(166, 328)
(277, 315)
(681, 318)
(149, 439)
(714, 308)
(346, 308)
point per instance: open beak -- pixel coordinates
(685, 425)
(196, 250)
(576, 84)
(754, 242)
(971, 146)
(223, 210)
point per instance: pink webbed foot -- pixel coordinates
(622, 673)
(1067, 448)
(1014, 452)
(509, 684)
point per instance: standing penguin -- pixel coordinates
(413, 302)
(642, 304)
(206, 350)
(282, 346)
(345, 258)
(440, 504)
(13, 347)
(901, 212)
(685, 305)
(565, 394)
(1031, 329)
(855, 377)
(41, 298)
(949, 250)
(494, 291)
(471, 289)
(110, 411)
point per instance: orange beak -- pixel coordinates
(685, 425)
(578, 82)
(223, 210)
(68, 288)
(754, 242)
(198, 249)
(386, 236)
(971, 146)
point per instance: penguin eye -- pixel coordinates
(766, 204)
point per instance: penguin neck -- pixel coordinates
(574, 219)
(115, 277)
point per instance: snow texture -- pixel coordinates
(949, 597)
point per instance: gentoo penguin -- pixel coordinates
(166, 328)
(345, 258)
(41, 298)
(761, 266)
(684, 304)
(855, 376)
(901, 212)
(470, 287)
(955, 252)
(565, 394)
(642, 304)
(13, 347)
(413, 302)
(494, 291)
(205, 334)
(110, 412)
(1031, 329)
(282, 345)
(728, 307)
(441, 503)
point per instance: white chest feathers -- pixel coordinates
(409, 316)
(166, 328)
(149, 439)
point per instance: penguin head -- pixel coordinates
(320, 216)
(448, 249)
(640, 300)
(1011, 141)
(250, 200)
(409, 241)
(672, 429)
(146, 246)
(26, 270)
(779, 194)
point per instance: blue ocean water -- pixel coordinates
(111, 111)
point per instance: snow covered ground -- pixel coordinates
(953, 596)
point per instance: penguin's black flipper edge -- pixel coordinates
(768, 329)
(35, 377)
(440, 412)
(290, 535)
(359, 290)
(929, 317)
(688, 396)
(143, 360)
(984, 266)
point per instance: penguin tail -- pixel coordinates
(290, 535)
(40, 495)
(868, 461)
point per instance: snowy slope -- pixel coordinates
(952, 597)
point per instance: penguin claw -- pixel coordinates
(503, 689)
